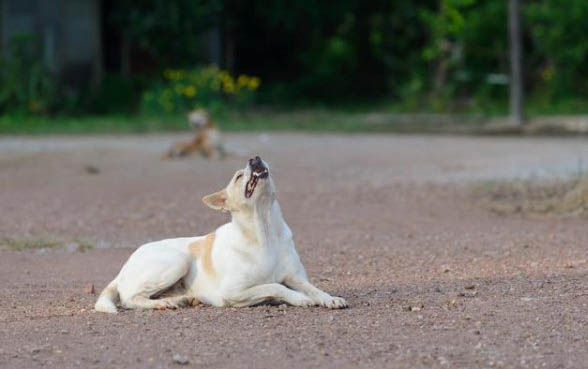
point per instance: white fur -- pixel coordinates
(253, 257)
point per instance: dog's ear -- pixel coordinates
(217, 200)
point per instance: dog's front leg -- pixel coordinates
(300, 283)
(267, 293)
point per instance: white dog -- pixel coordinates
(249, 261)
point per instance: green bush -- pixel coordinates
(26, 85)
(116, 94)
(558, 38)
(208, 87)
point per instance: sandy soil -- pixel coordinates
(388, 222)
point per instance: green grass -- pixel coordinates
(88, 124)
(15, 244)
(23, 244)
(313, 120)
(353, 118)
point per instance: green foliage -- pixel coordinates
(558, 34)
(170, 32)
(446, 24)
(116, 94)
(440, 55)
(209, 87)
(467, 46)
(327, 50)
(26, 85)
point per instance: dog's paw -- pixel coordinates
(304, 302)
(166, 305)
(186, 301)
(334, 302)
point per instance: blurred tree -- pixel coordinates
(328, 50)
(558, 36)
(444, 54)
(168, 31)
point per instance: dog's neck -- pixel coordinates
(263, 223)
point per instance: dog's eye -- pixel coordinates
(239, 176)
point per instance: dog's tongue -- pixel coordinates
(250, 186)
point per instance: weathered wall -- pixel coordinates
(68, 29)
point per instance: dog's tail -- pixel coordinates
(107, 301)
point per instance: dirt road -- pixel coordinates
(433, 280)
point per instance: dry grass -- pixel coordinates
(15, 244)
(561, 197)
(23, 244)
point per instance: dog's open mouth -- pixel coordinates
(256, 175)
(257, 172)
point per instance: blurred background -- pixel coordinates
(124, 65)
(455, 250)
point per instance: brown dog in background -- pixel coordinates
(206, 141)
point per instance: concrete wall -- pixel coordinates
(68, 29)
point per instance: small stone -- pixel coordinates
(90, 169)
(181, 360)
(64, 331)
(413, 307)
(470, 286)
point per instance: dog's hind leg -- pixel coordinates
(142, 282)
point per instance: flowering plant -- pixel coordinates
(209, 87)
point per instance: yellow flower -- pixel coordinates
(548, 73)
(243, 80)
(190, 91)
(224, 75)
(254, 83)
(229, 86)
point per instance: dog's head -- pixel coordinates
(199, 119)
(248, 187)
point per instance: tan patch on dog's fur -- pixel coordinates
(202, 250)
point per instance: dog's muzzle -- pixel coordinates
(258, 171)
(257, 168)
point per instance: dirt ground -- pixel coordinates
(388, 222)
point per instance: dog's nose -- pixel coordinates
(255, 162)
